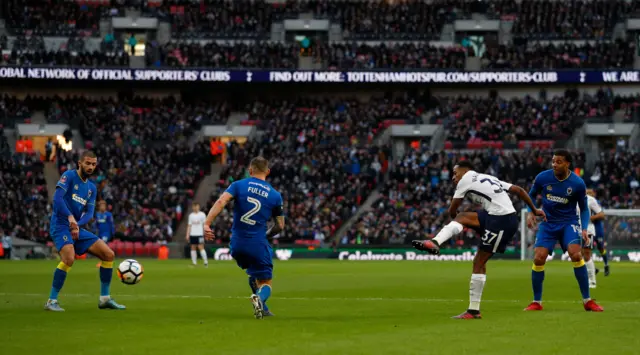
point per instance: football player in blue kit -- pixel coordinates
(561, 191)
(104, 222)
(256, 202)
(73, 208)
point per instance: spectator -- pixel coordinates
(7, 244)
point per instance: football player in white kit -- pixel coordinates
(497, 222)
(596, 215)
(195, 234)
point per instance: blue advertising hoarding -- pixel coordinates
(301, 76)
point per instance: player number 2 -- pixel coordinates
(246, 218)
(494, 183)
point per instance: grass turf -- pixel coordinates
(321, 307)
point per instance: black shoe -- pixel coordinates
(606, 270)
(597, 271)
(430, 246)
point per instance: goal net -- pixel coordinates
(621, 231)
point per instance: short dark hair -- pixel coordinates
(465, 164)
(260, 164)
(565, 154)
(88, 154)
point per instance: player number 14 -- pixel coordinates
(246, 218)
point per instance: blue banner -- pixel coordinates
(275, 76)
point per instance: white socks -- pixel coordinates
(203, 255)
(104, 299)
(448, 231)
(591, 271)
(475, 290)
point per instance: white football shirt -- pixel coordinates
(196, 221)
(594, 208)
(487, 191)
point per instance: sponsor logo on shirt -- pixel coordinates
(79, 199)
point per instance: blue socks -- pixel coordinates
(253, 282)
(106, 273)
(59, 276)
(264, 293)
(605, 257)
(580, 270)
(537, 278)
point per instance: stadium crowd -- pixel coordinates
(224, 55)
(23, 191)
(516, 119)
(603, 55)
(147, 173)
(322, 156)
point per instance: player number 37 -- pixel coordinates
(246, 218)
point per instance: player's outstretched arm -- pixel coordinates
(453, 208)
(598, 217)
(526, 198)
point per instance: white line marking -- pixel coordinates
(355, 299)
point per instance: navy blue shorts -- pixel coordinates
(62, 236)
(255, 258)
(497, 231)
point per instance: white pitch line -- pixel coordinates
(357, 299)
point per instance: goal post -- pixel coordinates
(621, 228)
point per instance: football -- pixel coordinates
(130, 272)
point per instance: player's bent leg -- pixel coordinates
(603, 254)
(101, 250)
(203, 255)
(537, 277)
(453, 228)
(264, 292)
(476, 286)
(591, 267)
(67, 257)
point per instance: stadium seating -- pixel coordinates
(350, 55)
(26, 209)
(224, 55)
(479, 122)
(619, 54)
(49, 18)
(569, 19)
(219, 18)
(616, 178)
(323, 148)
(147, 173)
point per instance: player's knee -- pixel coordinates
(67, 260)
(108, 255)
(575, 256)
(540, 259)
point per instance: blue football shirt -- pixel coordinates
(256, 201)
(78, 195)
(560, 197)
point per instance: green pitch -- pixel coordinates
(322, 307)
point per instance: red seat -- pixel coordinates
(154, 249)
(128, 248)
(118, 247)
(138, 249)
